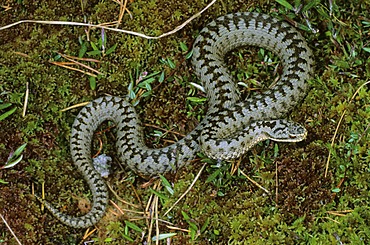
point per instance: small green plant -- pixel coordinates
(163, 236)
(219, 176)
(124, 230)
(4, 106)
(163, 196)
(292, 11)
(167, 185)
(193, 227)
(185, 50)
(168, 62)
(194, 108)
(13, 159)
(99, 48)
(130, 226)
(141, 85)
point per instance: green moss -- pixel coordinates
(232, 209)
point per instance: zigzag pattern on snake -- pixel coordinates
(230, 128)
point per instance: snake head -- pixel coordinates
(287, 131)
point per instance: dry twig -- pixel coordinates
(186, 192)
(338, 125)
(70, 23)
(10, 229)
(254, 182)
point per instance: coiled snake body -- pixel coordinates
(230, 128)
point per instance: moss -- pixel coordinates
(231, 208)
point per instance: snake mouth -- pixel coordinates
(297, 137)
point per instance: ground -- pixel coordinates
(312, 192)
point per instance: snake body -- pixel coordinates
(230, 128)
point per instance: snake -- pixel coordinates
(231, 125)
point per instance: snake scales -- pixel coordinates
(231, 126)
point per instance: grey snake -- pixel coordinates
(231, 126)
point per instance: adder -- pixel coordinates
(231, 126)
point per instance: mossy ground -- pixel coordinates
(222, 207)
